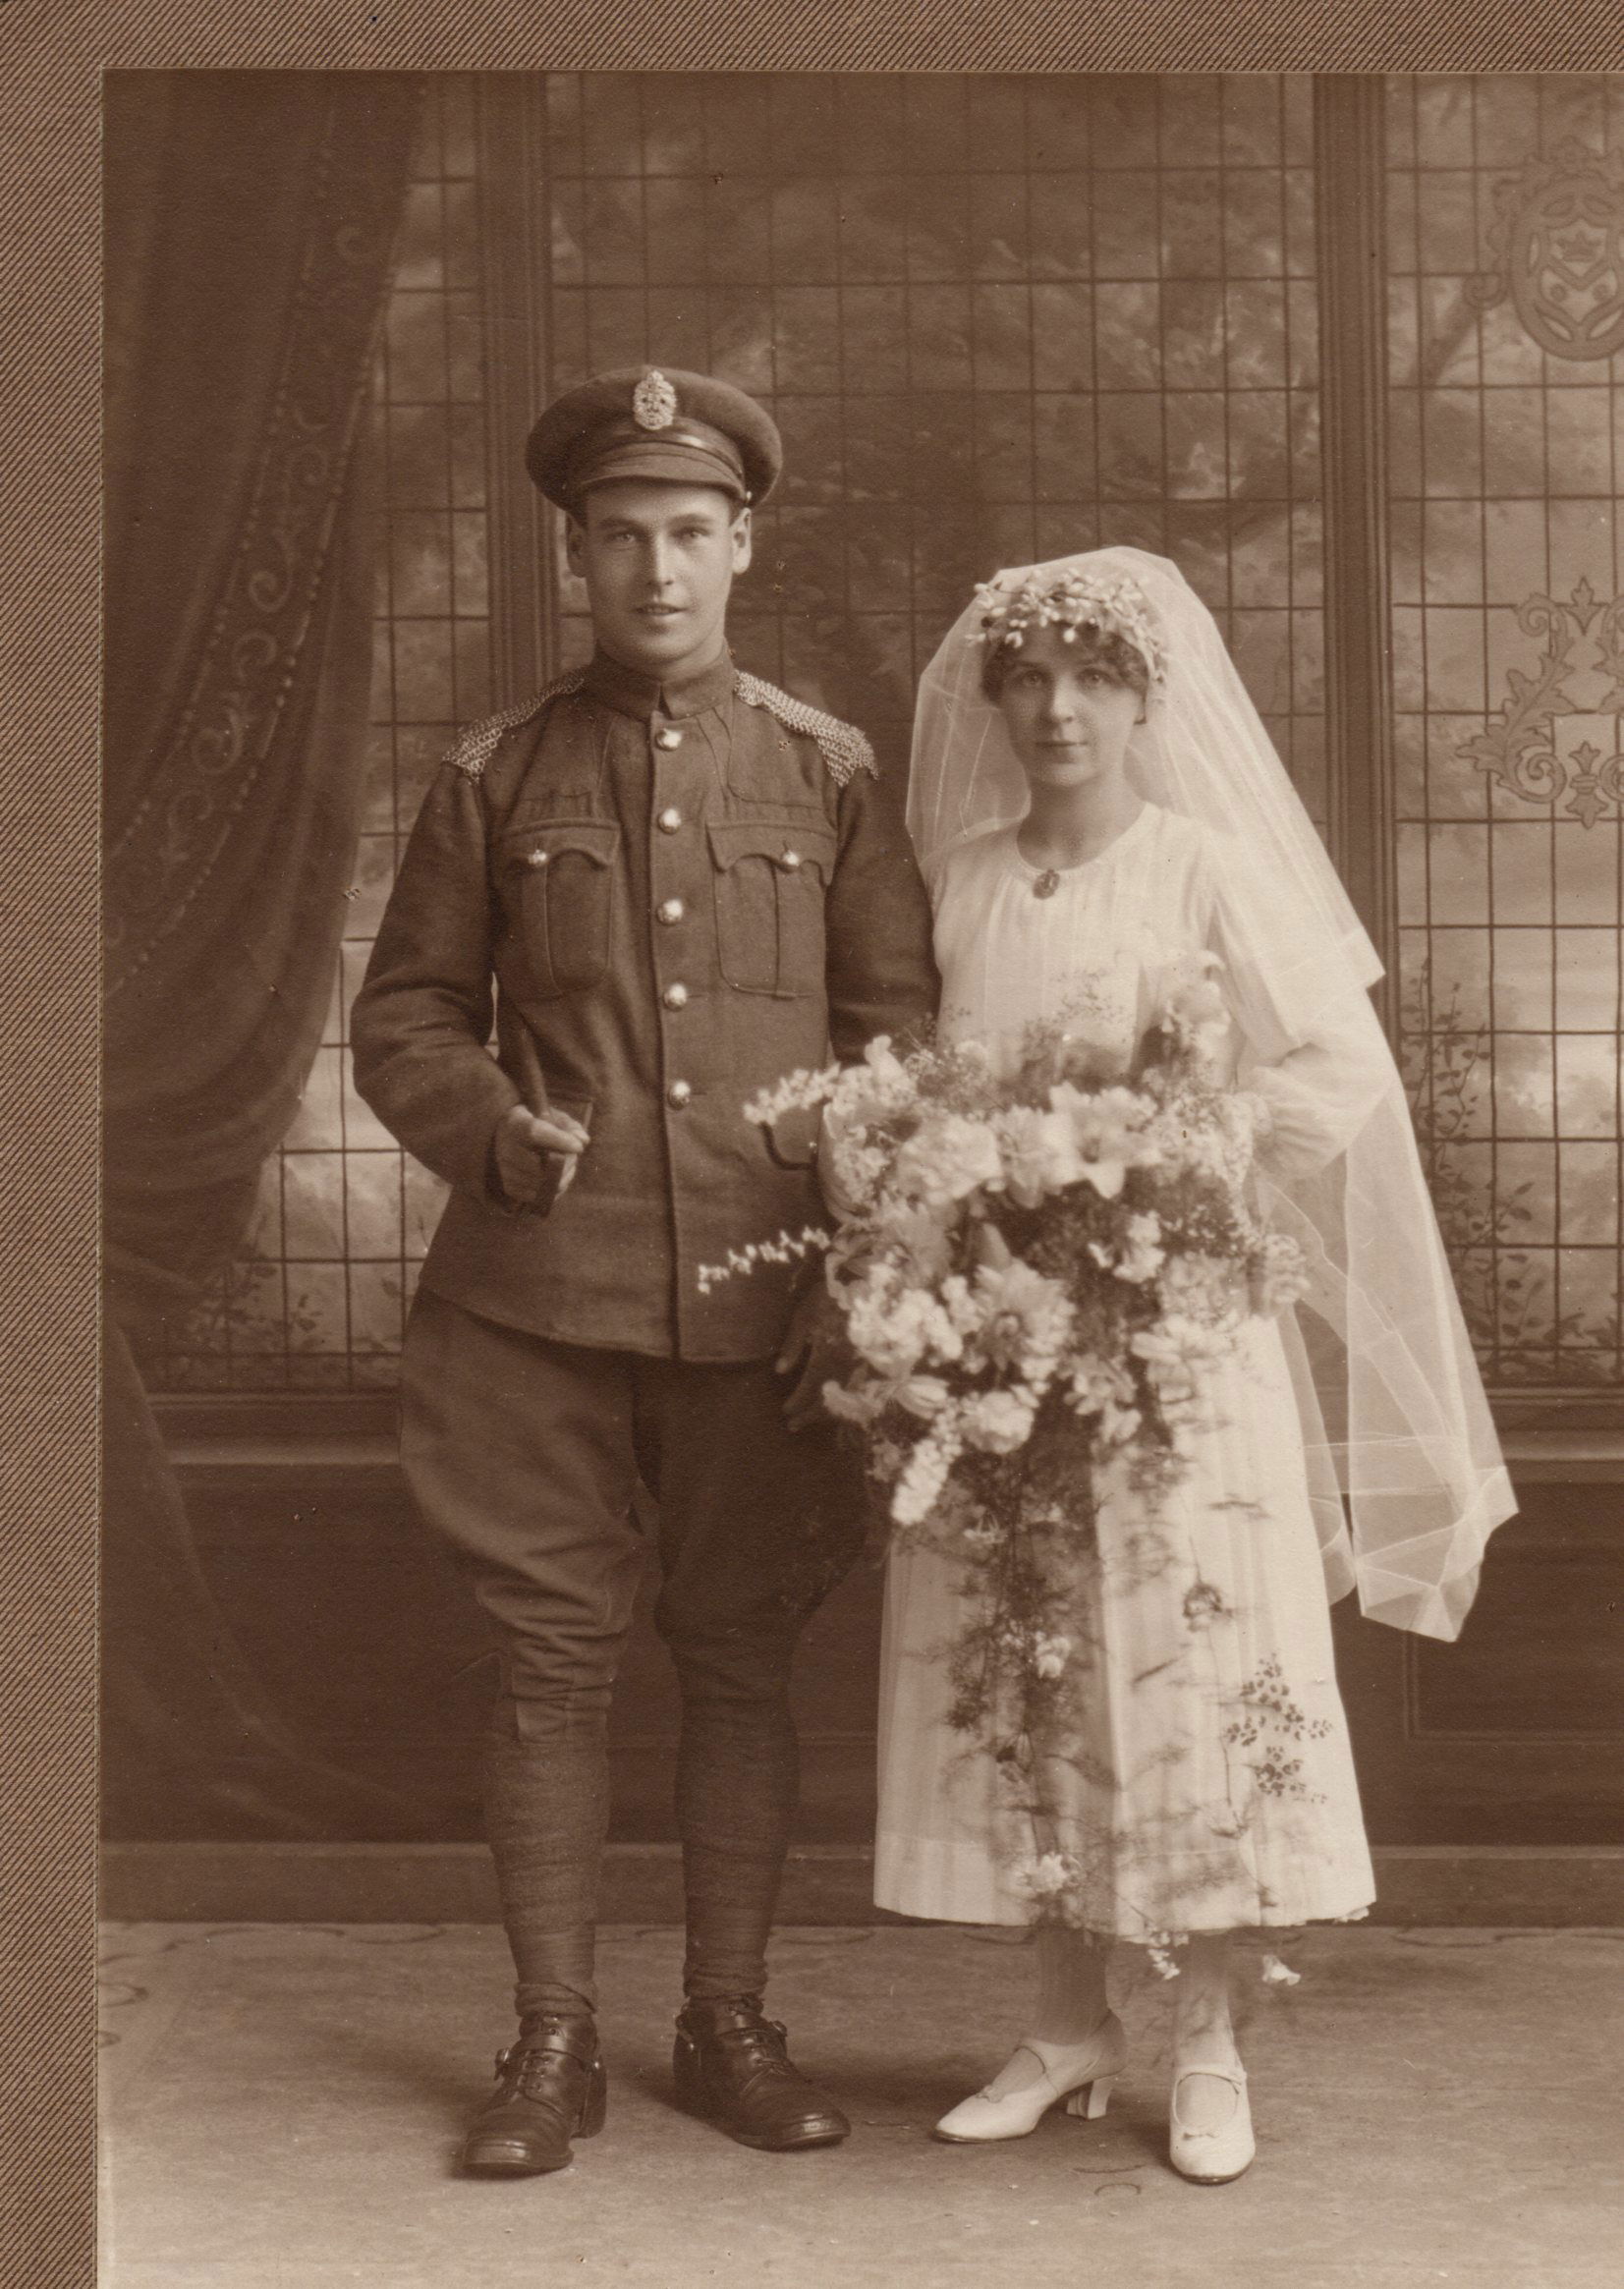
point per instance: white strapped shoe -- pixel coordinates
(1083, 2081)
(1212, 2157)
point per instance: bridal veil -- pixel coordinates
(1405, 1467)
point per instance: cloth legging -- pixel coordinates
(547, 1816)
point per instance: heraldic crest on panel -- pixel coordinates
(1557, 252)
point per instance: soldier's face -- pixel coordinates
(659, 561)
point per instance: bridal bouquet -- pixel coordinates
(1033, 1270)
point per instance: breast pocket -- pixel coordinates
(562, 882)
(771, 881)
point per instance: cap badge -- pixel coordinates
(653, 401)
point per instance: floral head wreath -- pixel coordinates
(1112, 602)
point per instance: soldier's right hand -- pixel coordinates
(530, 1147)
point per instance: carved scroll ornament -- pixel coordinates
(1580, 672)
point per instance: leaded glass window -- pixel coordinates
(1506, 426)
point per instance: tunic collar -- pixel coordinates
(631, 693)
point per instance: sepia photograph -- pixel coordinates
(863, 1184)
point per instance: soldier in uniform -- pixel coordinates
(669, 883)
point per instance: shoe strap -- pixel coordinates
(747, 2033)
(1109, 2039)
(546, 2038)
(1234, 2075)
(715, 2022)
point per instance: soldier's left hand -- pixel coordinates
(814, 1351)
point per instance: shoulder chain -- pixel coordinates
(844, 747)
(474, 747)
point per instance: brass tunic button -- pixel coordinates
(535, 859)
(790, 860)
(669, 820)
(668, 738)
(678, 1094)
(670, 910)
(675, 996)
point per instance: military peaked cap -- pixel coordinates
(649, 421)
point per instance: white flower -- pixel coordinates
(998, 1422)
(1049, 1655)
(1278, 1274)
(1038, 1151)
(1118, 1425)
(861, 1403)
(886, 1457)
(1047, 1877)
(1110, 1129)
(924, 1395)
(990, 1246)
(1024, 1320)
(923, 1477)
(1139, 1255)
(875, 1090)
(1276, 1974)
(849, 1170)
(1179, 1348)
(1203, 1290)
(1194, 1009)
(961, 1304)
(798, 1091)
(1206, 1132)
(1158, 1947)
(947, 1157)
(894, 1327)
(1095, 1383)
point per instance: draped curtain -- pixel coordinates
(250, 223)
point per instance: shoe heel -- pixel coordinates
(1091, 2101)
(596, 2104)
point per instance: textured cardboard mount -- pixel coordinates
(55, 53)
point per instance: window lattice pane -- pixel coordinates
(1508, 635)
(997, 319)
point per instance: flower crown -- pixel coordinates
(1112, 602)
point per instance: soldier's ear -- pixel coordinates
(742, 541)
(574, 544)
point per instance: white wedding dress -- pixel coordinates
(1209, 1784)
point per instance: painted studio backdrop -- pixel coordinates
(1351, 352)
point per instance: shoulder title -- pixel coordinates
(844, 747)
(474, 747)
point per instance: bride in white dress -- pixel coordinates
(1095, 803)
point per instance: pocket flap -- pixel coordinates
(789, 847)
(597, 839)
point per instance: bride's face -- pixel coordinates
(1069, 719)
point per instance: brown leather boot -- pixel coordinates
(732, 2068)
(550, 2088)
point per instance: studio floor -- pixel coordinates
(282, 2104)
